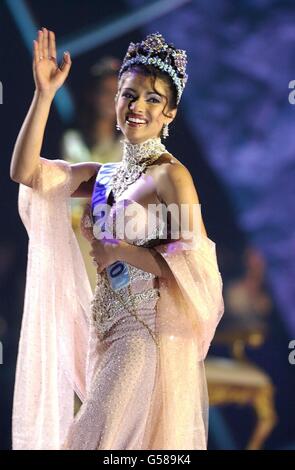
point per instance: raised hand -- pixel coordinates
(48, 76)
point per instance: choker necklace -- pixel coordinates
(136, 158)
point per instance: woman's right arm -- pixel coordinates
(26, 154)
(48, 77)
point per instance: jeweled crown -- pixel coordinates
(154, 50)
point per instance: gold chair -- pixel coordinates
(239, 382)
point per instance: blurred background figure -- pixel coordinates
(93, 135)
(234, 377)
(247, 300)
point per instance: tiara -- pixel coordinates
(154, 50)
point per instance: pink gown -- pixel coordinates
(135, 360)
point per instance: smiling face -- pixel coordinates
(140, 106)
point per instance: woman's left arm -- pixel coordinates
(177, 188)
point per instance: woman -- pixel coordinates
(134, 352)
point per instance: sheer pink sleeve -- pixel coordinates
(188, 311)
(52, 351)
(197, 286)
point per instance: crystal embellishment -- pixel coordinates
(106, 306)
(154, 50)
(136, 158)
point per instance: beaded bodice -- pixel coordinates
(107, 305)
(136, 158)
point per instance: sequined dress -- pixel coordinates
(124, 377)
(115, 413)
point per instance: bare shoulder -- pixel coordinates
(83, 173)
(175, 185)
(168, 166)
(171, 177)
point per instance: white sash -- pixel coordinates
(118, 272)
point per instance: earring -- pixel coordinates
(118, 127)
(165, 131)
